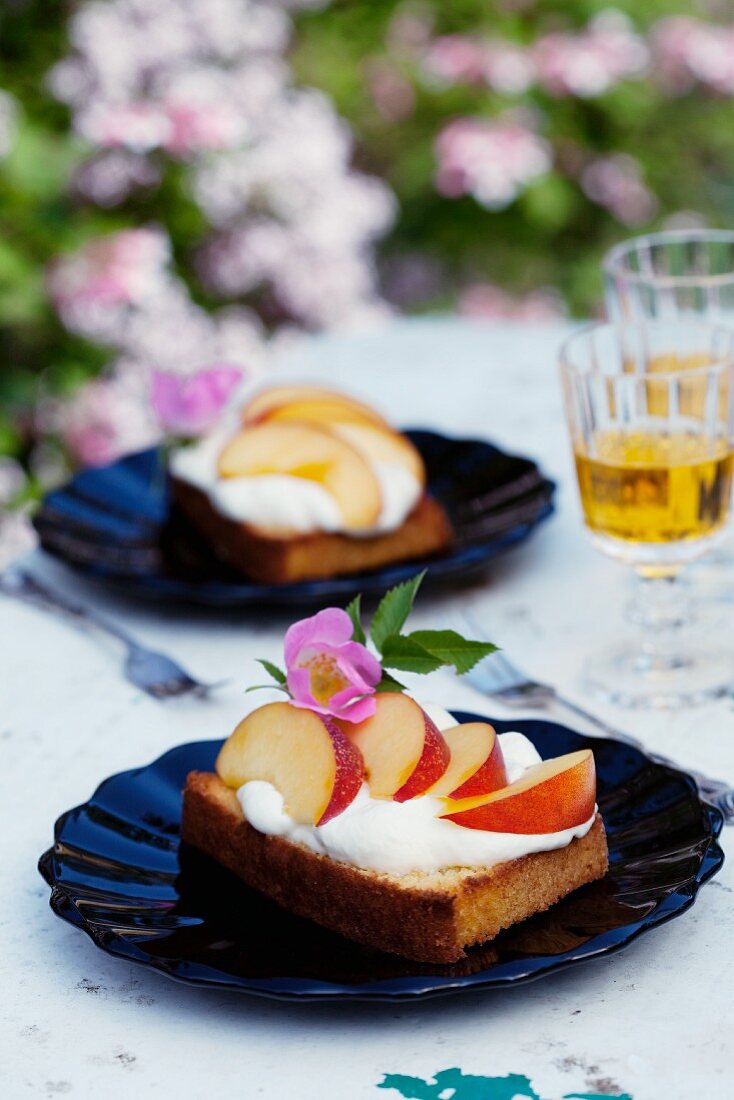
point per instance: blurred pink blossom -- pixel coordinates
(189, 406)
(456, 59)
(493, 161)
(103, 421)
(616, 183)
(590, 62)
(209, 85)
(460, 59)
(196, 127)
(391, 93)
(108, 178)
(118, 269)
(139, 127)
(120, 290)
(486, 301)
(508, 68)
(688, 50)
(410, 27)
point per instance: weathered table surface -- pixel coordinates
(651, 1022)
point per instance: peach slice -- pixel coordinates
(304, 755)
(477, 765)
(310, 452)
(381, 444)
(307, 403)
(557, 794)
(403, 750)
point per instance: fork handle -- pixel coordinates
(26, 587)
(715, 790)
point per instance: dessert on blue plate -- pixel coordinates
(353, 804)
(306, 483)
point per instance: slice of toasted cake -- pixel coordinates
(272, 557)
(426, 916)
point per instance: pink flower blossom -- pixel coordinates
(197, 127)
(327, 671)
(391, 93)
(459, 59)
(138, 127)
(589, 63)
(616, 183)
(103, 421)
(493, 161)
(116, 270)
(210, 85)
(456, 59)
(189, 406)
(689, 50)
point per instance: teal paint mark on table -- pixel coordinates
(452, 1084)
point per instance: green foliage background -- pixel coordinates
(551, 236)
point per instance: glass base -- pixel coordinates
(659, 681)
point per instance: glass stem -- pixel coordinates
(661, 606)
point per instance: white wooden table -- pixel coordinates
(651, 1022)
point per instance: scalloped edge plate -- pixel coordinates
(641, 801)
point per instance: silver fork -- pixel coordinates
(498, 677)
(151, 671)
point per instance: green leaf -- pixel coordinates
(389, 683)
(393, 609)
(403, 652)
(267, 687)
(354, 611)
(451, 649)
(273, 670)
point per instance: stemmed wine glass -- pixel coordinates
(679, 274)
(650, 409)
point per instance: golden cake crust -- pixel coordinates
(270, 558)
(429, 917)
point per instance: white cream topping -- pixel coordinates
(284, 502)
(401, 837)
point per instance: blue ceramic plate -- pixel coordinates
(115, 523)
(119, 872)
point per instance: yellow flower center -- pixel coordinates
(326, 676)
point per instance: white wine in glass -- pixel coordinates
(654, 459)
(675, 275)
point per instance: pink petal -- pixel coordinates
(357, 712)
(299, 685)
(191, 405)
(331, 626)
(340, 699)
(359, 665)
(310, 706)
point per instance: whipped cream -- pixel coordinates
(399, 838)
(283, 502)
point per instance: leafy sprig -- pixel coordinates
(420, 651)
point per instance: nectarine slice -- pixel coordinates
(307, 403)
(477, 765)
(381, 444)
(403, 750)
(305, 756)
(557, 794)
(310, 452)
